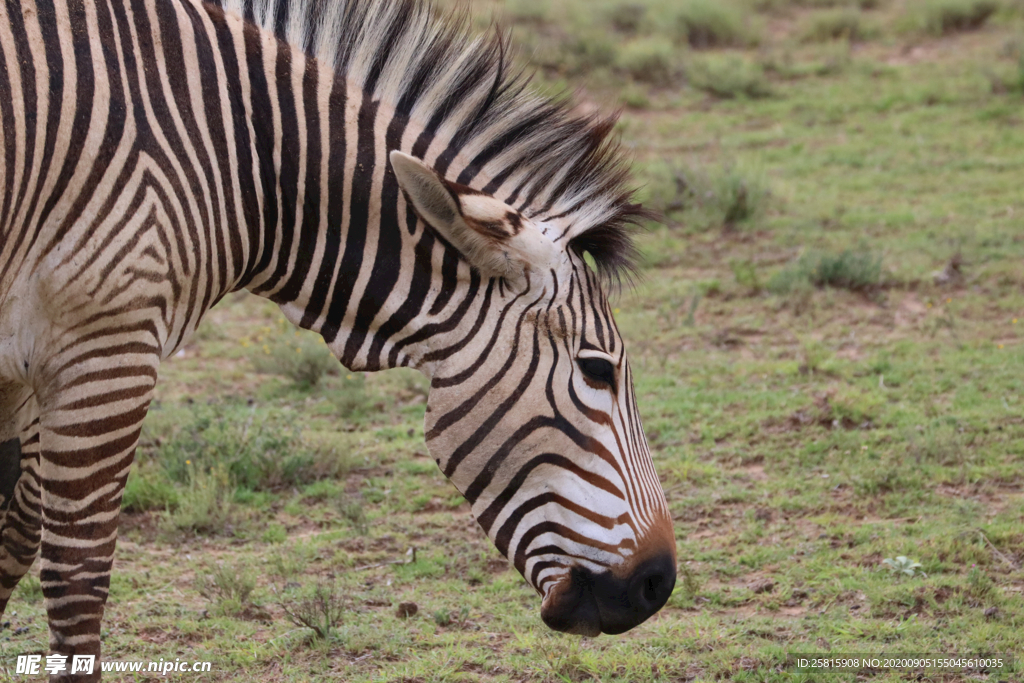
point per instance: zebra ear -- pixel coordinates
(427, 190)
(488, 232)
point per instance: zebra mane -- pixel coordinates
(535, 153)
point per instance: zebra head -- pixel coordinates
(535, 421)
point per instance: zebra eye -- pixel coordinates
(598, 370)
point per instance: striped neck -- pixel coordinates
(333, 242)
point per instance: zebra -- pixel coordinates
(393, 184)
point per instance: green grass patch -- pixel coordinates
(704, 24)
(853, 270)
(257, 449)
(846, 23)
(650, 60)
(705, 198)
(729, 77)
(944, 17)
(301, 356)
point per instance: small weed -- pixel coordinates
(302, 357)
(29, 589)
(649, 60)
(746, 276)
(688, 587)
(627, 17)
(853, 407)
(588, 50)
(856, 271)
(710, 288)
(322, 612)
(288, 563)
(705, 199)
(275, 533)
(205, 506)
(565, 660)
(704, 24)
(838, 24)
(351, 398)
(354, 512)
(941, 443)
(691, 313)
(903, 566)
(729, 78)
(148, 489)
(979, 585)
(228, 586)
(943, 17)
(814, 355)
(1008, 83)
(788, 280)
(785, 5)
(736, 196)
(831, 59)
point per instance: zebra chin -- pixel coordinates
(588, 604)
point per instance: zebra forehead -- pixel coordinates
(549, 321)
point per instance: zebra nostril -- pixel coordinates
(629, 601)
(652, 588)
(651, 585)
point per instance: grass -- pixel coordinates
(846, 23)
(303, 358)
(729, 77)
(652, 61)
(228, 587)
(804, 433)
(322, 611)
(706, 198)
(704, 24)
(943, 17)
(853, 270)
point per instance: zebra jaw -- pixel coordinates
(493, 236)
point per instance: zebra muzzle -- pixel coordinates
(588, 603)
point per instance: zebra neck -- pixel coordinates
(336, 245)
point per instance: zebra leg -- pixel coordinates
(19, 496)
(89, 429)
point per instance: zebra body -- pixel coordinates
(384, 180)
